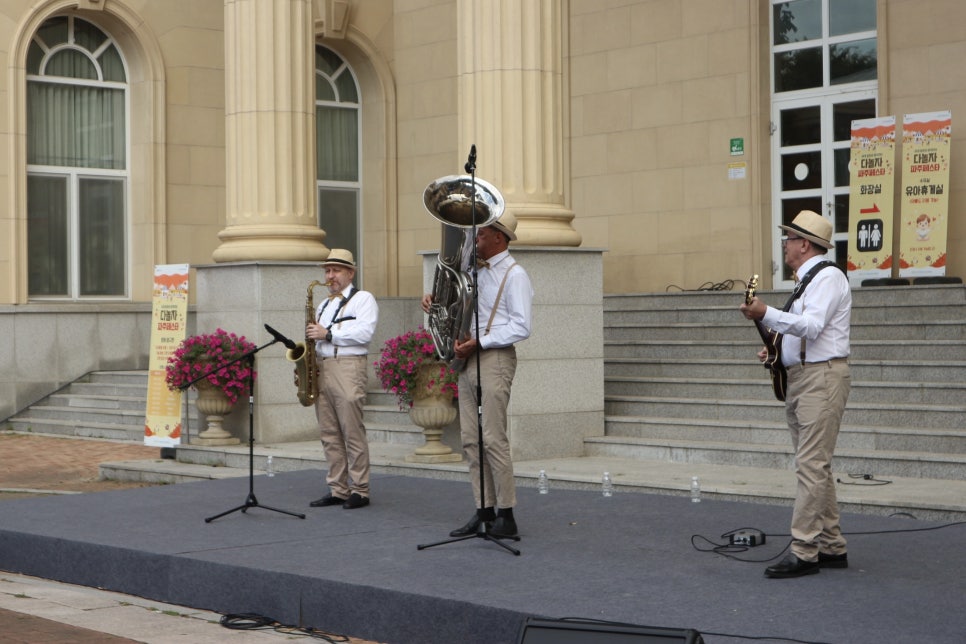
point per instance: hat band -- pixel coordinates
(338, 261)
(804, 232)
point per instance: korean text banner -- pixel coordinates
(926, 140)
(871, 192)
(169, 317)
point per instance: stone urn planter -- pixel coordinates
(432, 410)
(215, 405)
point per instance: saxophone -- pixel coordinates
(303, 355)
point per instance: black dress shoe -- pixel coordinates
(503, 527)
(355, 501)
(326, 501)
(472, 527)
(833, 561)
(791, 566)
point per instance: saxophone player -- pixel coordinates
(343, 327)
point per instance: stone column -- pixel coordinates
(269, 139)
(514, 108)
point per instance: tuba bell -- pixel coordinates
(460, 202)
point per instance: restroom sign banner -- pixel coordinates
(871, 180)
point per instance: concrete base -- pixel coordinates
(211, 442)
(434, 458)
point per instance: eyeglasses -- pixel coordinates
(788, 238)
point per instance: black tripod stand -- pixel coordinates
(250, 501)
(481, 532)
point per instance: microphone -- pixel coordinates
(470, 166)
(281, 338)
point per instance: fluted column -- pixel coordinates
(513, 107)
(270, 148)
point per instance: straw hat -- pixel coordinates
(813, 227)
(340, 257)
(507, 224)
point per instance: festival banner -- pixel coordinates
(871, 192)
(169, 319)
(926, 140)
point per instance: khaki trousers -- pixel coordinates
(814, 405)
(342, 392)
(497, 368)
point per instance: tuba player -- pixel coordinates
(505, 301)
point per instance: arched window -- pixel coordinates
(77, 230)
(337, 144)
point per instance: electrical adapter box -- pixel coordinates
(749, 538)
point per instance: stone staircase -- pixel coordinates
(106, 404)
(682, 384)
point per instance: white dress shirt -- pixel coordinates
(511, 323)
(821, 315)
(351, 337)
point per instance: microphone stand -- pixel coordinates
(481, 532)
(250, 501)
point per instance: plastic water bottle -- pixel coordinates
(543, 485)
(607, 486)
(269, 467)
(695, 490)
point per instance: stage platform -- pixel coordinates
(628, 558)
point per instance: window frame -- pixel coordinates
(75, 174)
(354, 186)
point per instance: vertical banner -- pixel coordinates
(871, 181)
(169, 317)
(925, 193)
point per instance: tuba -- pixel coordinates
(303, 355)
(459, 202)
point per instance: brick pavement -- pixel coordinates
(20, 628)
(30, 462)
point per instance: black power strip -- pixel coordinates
(749, 538)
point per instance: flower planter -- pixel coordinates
(432, 410)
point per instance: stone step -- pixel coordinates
(898, 463)
(100, 415)
(95, 401)
(908, 393)
(870, 439)
(751, 369)
(742, 331)
(79, 426)
(856, 413)
(895, 298)
(927, 351)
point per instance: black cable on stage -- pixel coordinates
(254, 622)
(869, 479)
(729, 549)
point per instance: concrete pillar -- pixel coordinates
(514, 106)
(269, 145)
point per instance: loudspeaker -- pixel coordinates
(576, 631)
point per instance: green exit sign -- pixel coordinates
(737, 147)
